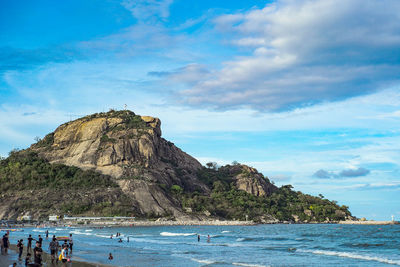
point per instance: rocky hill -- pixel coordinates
(117, 163)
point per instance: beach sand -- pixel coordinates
(7, 260)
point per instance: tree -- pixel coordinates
(212, 165)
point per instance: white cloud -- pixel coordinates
(302, 53)
(148, 9)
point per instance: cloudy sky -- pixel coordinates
(308, 92)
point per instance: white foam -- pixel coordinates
(351, 255)
(225, 232)
(203, 261)
(176, 234)
(240, 239)
(37, 230)
(247, 264)
(90, 230)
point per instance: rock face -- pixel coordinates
(250, 180)
(129, 148)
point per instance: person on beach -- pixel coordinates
(198, 238)
(40, 240)
(65, 246)
(28, 259)
(53, 249)
(6, 244)
(64, 256)
(29, 246)
(37, 254)
(2, 246)
(110, 257)
(71, 242)
(20, 247)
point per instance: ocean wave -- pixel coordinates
(304, 239)
(361, 245)
(248, 264)
(351, 255)
(203, 261)
(176, 234)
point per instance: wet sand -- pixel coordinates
(7, 260)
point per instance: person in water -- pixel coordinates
(198, 238)
(120, 240)
(71, 242)
(47, 234)
(110, 256)
(208, 239)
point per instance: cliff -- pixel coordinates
(129, 148)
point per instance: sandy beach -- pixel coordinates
(7, 260)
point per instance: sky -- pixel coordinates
(306, 91)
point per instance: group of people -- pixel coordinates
(208, 238)
(65, 249)
(120, 239)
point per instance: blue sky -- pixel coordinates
(305, 91)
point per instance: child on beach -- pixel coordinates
(64, 256)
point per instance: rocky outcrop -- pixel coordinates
(250, 180)
(129, 148)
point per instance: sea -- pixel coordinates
(250, 246)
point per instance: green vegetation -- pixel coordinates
(105, 139)
(46, 142)
(24, 170)
(56, 188)
(228, 202)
